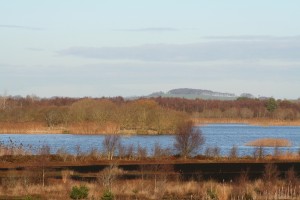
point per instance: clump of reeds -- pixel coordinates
(270, 142)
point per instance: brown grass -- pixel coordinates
(74, 128)
(149, 188)
(170, 190)
(27, 127)
(270, 142)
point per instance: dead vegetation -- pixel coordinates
(152, 183)
(270, 142)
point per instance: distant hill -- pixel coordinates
(189, 93)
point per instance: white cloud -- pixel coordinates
(287, 49)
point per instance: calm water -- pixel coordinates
(216, 135)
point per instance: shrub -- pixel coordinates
(188, 139)
(248, 196)
(81, 192)
(107, 195)
(31, 198)
(212, 194)
(233, 152)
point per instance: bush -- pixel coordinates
(212, 194)
(81, 192)
(107, 195)
(248, 196)
(31, 198)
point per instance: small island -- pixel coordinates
(270, 142)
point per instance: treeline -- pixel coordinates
(93, 115)
(155, 115)
(244, 108)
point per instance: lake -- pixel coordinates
(216, 135)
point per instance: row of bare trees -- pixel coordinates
(188, 141)
(138, 113)
(241, 108)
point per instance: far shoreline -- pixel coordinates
(40, 128)
(257, 121)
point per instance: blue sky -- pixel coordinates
(109, 48)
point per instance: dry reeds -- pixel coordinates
(133, 189)
(27, 127)
(270, 142)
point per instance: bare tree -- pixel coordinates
(213, 152)
(276, 152)
(109, 175)
(259, 152)
(160, 152)
(110, 144)
(3, 100)
(291, 176)
(271, 173)
(44, 151)
(188, 139)
(233, 153)
(141, 152)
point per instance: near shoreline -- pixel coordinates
(86, 128)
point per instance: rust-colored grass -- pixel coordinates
(270, 142)
(27, 127)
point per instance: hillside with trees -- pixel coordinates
(189, 93)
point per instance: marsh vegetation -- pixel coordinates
(270, 142)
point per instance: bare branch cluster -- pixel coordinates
(188, 139)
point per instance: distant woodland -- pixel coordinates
(118, 115)
(243, 108)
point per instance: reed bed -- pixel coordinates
(270, 142)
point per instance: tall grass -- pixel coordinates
(169, 189)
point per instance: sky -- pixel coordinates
(135, 47)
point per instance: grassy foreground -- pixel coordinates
(48, 176)
(147, 183)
